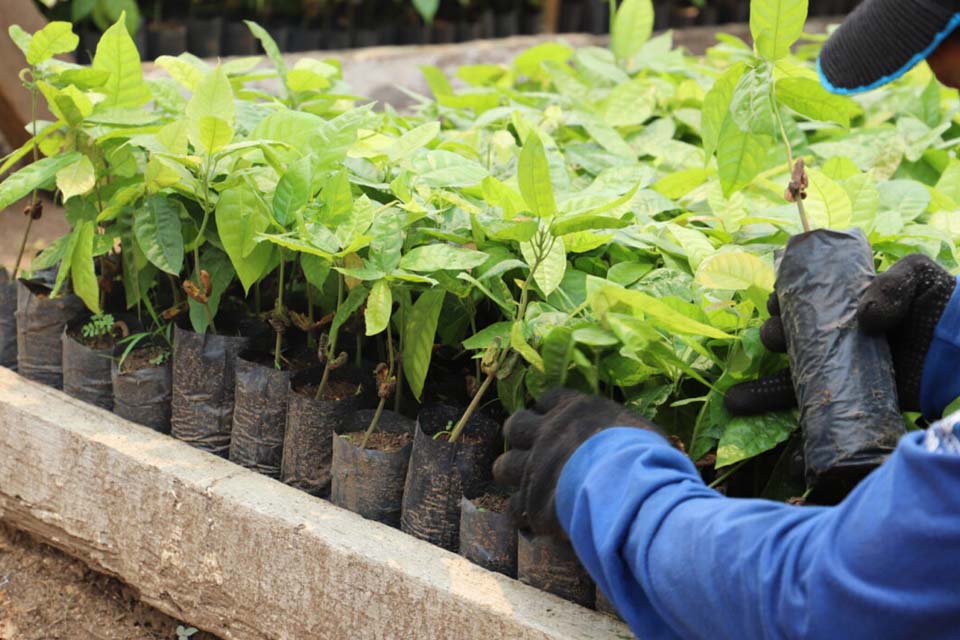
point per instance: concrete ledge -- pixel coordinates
(236, 553)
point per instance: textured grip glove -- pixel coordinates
(905, 303)
(541, 441)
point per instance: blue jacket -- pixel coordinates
(679, 560)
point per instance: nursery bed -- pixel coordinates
(236, 553)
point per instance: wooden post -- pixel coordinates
(14, 100)
(551, 16)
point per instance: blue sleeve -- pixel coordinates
(940, 382)
(679, 560)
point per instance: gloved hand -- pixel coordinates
(541, 441)
(905, 303)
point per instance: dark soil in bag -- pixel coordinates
(488, 536)
(843, 378)
(370, 481)
(87, 365)
(8, 321)
(441, 473)
(40, 323)
(204, 383)
(311, 423)
(550, 564)
(259, 415)
(143, 386)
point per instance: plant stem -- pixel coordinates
(278, 311)
(33, 197)
(726, 474)
(332, 347)
(383, 396)
(786, 141)
(399, 390)
(462, 423)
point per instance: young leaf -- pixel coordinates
(213, 97)
(776, 25)
(269, 46)
(418, 335)
(549, 273)
(809, 99)
(76, 179)
(158, 231)
(379, 305)
(413, 140)
(439, 168)
(632, 27)
(533, 174)
(315, 269)
(752, 103)
(827, 204)
(735, 270)
(557, 353)
(240, 219)
(118, 55)
(53, 39)
(439, 257)
(211, 134)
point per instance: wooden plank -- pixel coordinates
(14, 99)
(237, 553)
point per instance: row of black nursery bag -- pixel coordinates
(219, 395)
(342, 27)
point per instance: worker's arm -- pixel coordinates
(680, 560)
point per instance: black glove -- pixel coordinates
(541, 441)
(905, 303)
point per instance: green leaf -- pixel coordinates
(419, 330)
(211, 134)
(663, 315)
(117, 55)
(427, 9)
(716, 106)
(827, 204)
(735, 270)
(632, 27)
(533, 174)
(353, 301)
(518, 342)
(740, 156)
(496, 334)
(217, 264)
(864, 201)
(379, 306)
(55, 38)
(549, 273)
(748, 436)
(630, 103)
(776, 25)
(34, 176)
(214, 98)
(184, 71)
(269, 46)
(557, 353)
(293, 191)
(439, 257)
(413, 140)
(240, 219)
(809, 99)
(157, 228)
(752, 104)
(76, 179)
(20, 37)
(315, 269)
(82, 267)
(694, 242)
(528, 63)
(439, 168)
